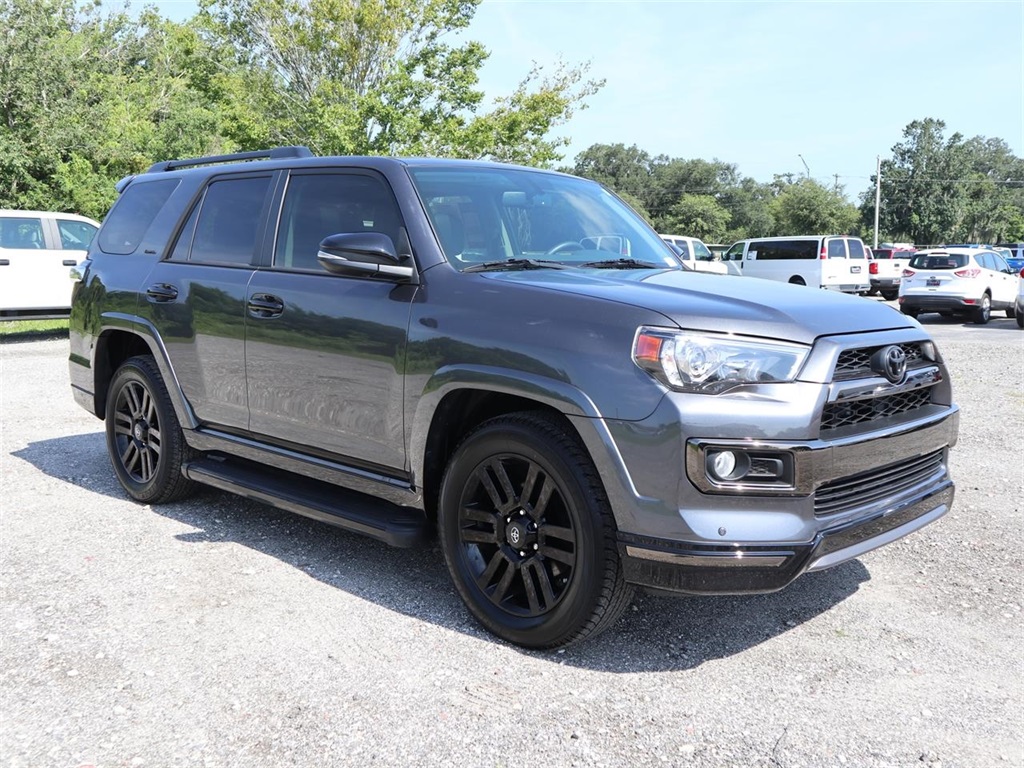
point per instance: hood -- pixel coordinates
(705, 302)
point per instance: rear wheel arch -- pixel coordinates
(113, 347)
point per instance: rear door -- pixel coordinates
(34, 271)
(196, 298)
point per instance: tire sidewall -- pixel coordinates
(579, 602)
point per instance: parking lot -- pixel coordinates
(219, 632)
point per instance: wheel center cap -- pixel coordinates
(518, 535)
(139, 431)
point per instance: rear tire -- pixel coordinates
(797, 281)
(890, 295)
(144, 439)
(910, 311)
(528, 533)
(983, 313)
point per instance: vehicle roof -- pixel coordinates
(963, 250)
(682, 237)
(75, 216)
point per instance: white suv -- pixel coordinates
(37, 250)
(958, 281)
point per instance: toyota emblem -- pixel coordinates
(513, 535)
(890, 362)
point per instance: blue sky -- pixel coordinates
(760, 83)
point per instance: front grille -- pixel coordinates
(870, 487)
(852, 412)
(856, 363)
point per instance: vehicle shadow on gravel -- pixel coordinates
(656, 634)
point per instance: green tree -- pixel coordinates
(378, 77)
(697, 216)
(937, 190)
(805, 207)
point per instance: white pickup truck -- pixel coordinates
(886, 270)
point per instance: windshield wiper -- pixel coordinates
(488, 266)
(622, 264)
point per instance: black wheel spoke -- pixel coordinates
(478, 515)
(130, 456)
(474, 536)
(545, 583)
(568, 558)
(498, 467)
(506, 581)
(558, 532)
(147, 464)
(485, 480)
(526, 574)
(543, 498)
(131, 393)
(492, 568)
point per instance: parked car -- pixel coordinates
(400, 347)
(694, 254)
(1016, 256)
(886, 270)
(835, 262)
(958, 281)
(37, 250)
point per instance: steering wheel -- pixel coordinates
(567, 245)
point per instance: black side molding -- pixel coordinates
(390, 523)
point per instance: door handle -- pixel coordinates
(69, 263)
(265, 305)
(162, 292)
(5, 262)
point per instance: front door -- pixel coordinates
(325, 353)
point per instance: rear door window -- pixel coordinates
(856, 248)
(229, 221)
(837, 248)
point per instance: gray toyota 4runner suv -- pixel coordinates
(510, 357)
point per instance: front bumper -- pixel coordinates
(708, 569)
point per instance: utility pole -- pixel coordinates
(805, 165)
(878, 192)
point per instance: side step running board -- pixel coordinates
(395, 525)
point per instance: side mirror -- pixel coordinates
(363, 254)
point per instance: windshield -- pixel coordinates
(486, 215)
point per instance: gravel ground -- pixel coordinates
(219, 632)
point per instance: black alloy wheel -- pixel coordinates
(144, 439)
(528, 533)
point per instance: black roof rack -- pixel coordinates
(277, 153)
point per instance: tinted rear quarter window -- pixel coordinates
(856, 249)
(132, 214)
(837, 249)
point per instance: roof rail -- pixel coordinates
(277, 153)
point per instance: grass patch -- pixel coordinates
(18, 330)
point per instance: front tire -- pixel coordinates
(528, 533)
(144, 438)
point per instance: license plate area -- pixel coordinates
(933, 282)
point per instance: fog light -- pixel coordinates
(727, 465)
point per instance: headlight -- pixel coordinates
(710, 363)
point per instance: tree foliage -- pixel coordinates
(937, 190)
(87, 97)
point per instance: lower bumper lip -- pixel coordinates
(705, 569)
